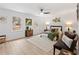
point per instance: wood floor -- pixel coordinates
(21, 47)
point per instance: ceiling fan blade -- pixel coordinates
(46, 12)
(41, 10)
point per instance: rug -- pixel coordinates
(42, 41)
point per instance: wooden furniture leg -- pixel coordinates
(54, 51)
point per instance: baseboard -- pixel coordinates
(20, 38)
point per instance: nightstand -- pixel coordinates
(28, 33)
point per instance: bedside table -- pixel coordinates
(28, 33)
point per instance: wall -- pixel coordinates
(69, 15)
(6, 26)
(38, 22)
(65, 15)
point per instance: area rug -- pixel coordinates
(42, 41)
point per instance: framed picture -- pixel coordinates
(28, 21)
(16, 23)
(56, 19)
(2, 19)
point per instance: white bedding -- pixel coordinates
(42, 41)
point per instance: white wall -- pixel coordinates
(6, 26)
(70, 16)
(38, 22)
(65, 15)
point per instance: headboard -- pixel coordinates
(57, 27)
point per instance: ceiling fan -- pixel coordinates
(44, 11)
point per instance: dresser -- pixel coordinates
(28, 33)
(2, 38)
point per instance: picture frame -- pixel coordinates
(2, 19)
(56, 19)
(28, 21)
(16, 23)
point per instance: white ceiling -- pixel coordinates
(34, 8)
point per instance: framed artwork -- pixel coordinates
(2, 19)
(56, 19)
(28, 21)
(16, 23)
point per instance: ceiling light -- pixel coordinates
(41, 13)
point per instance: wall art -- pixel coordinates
(16, 23)
(2, 19)
(28, 21)
(56, 19)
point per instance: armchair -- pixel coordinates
(61, 45)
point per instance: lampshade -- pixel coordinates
(68, 24)
(47, 23)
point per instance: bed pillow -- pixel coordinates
(67, 41)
